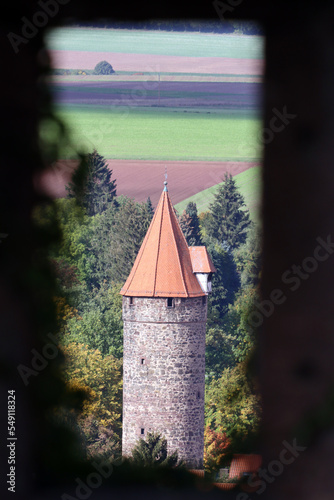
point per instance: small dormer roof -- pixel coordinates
(201, 260)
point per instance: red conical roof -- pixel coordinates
(163, 265)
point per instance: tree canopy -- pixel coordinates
(118, 235)
(190, 225)
(229, 219)
(233, 406)
(92, 186)
(217, 448)
(103, 68)
(101, 377)
(98, 323)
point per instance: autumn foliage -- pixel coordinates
(216, 449)
(101, 378)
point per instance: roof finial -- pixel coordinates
(165, 183)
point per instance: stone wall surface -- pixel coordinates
(164, 369)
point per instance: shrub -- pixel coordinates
(103, 68)
(152, 452)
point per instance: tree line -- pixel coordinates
(191, 25)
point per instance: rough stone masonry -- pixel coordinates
(164, 364)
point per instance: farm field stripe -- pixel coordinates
(152, 133)
(142, 179)
(67, 59)
(173, 43)
(213, 87)
(146, 77)
(183, 94)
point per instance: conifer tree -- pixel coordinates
(92, 185)
(195, 238)
(117, 239)
(152, 452)
(190, 226)
(225, 282)
(185, 224)
(149, 206)
(229, 221)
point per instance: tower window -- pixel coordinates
(204, 300)
(142, 431)
(131, 301)
(170, 302)
(198, 395)
(142, 361)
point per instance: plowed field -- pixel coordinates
(140, 179)
(75, 59)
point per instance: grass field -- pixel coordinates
(249, 184)
(156, 42)
(162, 134)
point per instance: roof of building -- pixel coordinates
(242, 464)
(163, 265)
(201, 260)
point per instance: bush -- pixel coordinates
(152, 452)
(61, 72)
(103, 68)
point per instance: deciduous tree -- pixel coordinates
(248, 258)
(99, 325)
(233, 406)
(219, 351)
(102, 379)
(237, 322)
(100, 441)
(103, 68)
(217, 448)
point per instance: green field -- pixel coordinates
(249, 184)
(161, 133)
(156, 42)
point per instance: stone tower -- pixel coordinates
(164, 314)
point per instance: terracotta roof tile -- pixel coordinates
(163, 266)
(244, 464)
(201, 260)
